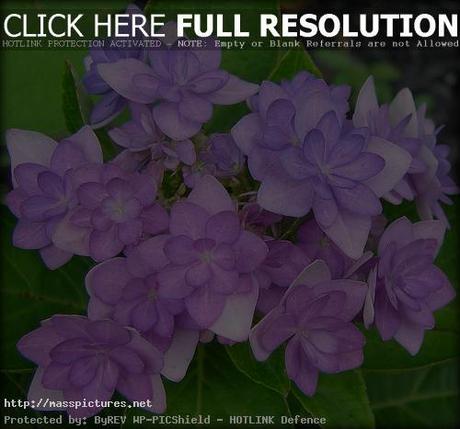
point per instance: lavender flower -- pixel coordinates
(317, 245)
(297, 147)
(397, 125)
(211, 261)
(401, 123)
(141, 134)
(218, 156)
(126, 290)
(116, 209)
(433, 189)
(79, 359)
(45, 179)
(256, 219)
(111, 104)
(315, 318)
(183, 84)
(284, 262)
(406, 287)
(224, 154)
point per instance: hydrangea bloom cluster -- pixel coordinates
(279, 220)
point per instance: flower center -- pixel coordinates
(206, 257)
(152, 294)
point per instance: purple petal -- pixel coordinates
(37, 344)
(130, 232)
(155, 219)
(251, 251)
(205, 306)
(88, 142)
(28, 146)
(172, 123)
(188, 219)
(365, 103)
(286, 197)
(172, 283)
(37, 392)
(105, 244)
(195, 108)
(402, 106)
(397, 162)
(299, 369)
(387, 319)
(131, 78)
(400, 231)
(71, 238)
(359, 199)
(148, 257)
(223, 227)
(410, 336)
(30, 235)
(211, 195)
(246, 131)
(186, 152)
(53, 257)
(107, 280)
(234, 91)
(180, 354)
(350, 232)
(236, 317)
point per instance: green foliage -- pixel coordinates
(425, 396)
(341, 399)
(76, 103)
(270, 373)
(31, 293)
(214, 386)
(291, 62)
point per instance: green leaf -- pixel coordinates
(292, 62)
(437, 346)
(76, 104)
(30, 292)
(423, 397)
(214, 386)
(270, 373)
(341, 399)
(109, 149)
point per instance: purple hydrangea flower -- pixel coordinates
(111, 103)
(434, 185)
(317, 245)
(79, 359)
(126, 290)
(405, 287)
(256, 219)
(315, 318)
(219, 156)
(406, 127)
(183, 84)
(284, 262)
(224, 154)
(298, 148)
(212, 261)
(116, 209)
(141, 134)
(396, 125)
(45, 180)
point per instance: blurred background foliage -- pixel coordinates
(392, 389)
